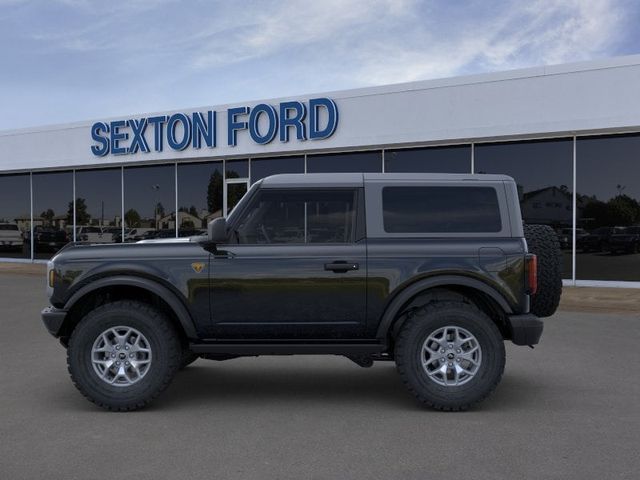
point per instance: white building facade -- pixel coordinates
(568, 134)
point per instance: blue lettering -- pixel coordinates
(233, 125)
(315, 105)
(138, 142)
(117, 136)
(296, 121)
(103, 148)
(204, 129)
(171, 131)
(157, 123)
(254, 118)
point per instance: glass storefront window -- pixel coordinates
(15, 216)
(608, 208)
(543, 171)
(263, 167)
(454, 159)
(237, 168)
(52, 212)
(345, 162)
(200, 193)
(149, 202)
(98, 206)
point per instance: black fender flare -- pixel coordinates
(171, 298)
(400, 299)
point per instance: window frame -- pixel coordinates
(374, 209)
(357, 232)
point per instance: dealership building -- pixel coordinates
(568, 134)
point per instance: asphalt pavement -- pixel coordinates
(570, 409)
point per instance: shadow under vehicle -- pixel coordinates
(597, 240)
(627, 241)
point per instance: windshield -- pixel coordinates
(243, 201)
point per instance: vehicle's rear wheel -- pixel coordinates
(123, 354)
(543, 242)
(450, 355)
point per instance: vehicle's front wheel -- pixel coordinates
(123, 354)
(450, 355)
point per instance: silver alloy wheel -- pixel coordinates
(121, 356)
(451, 356)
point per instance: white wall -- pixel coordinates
(576, 98)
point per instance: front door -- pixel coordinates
(294, 267)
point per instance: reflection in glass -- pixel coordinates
(263, 167)
(543, 171)
(235, 192)
(200, 194)
(237, 168)
(98, 206)
(52, 212)
(608, 208)
(345, 162)
(454, 159)
(149, 202)
(15, 216)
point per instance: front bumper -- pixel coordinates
(53, 319)
(526, 329)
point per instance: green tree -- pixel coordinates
(48, 215)
(82, 216)
(214, 192)
(132, 218)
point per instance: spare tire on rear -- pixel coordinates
(543, 242)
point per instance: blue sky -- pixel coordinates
(70, 60)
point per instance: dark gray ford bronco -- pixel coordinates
(431, 271)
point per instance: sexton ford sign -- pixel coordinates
(312, 120)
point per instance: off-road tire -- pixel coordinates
(543, 242)
(163, 340)
(425, 320)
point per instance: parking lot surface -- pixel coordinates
(568, 409)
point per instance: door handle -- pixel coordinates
(341, 266)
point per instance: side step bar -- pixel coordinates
(284, 348)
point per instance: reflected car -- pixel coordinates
(94, 235)
(627, 241)
(565, 237)
(48, 238)
(10, 236)
(597, 240)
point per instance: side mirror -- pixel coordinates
(217, 230)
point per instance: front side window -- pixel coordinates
(441, 210)
(301, 217)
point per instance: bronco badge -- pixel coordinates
(197, 267)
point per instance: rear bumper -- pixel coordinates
(53, 319)
(525, 329)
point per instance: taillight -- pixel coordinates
(532, 273)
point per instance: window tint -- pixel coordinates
(52, 212)
(199, 196)
(608, 195)
(440, 210)
(15, 206)
(345, 162)
(263, 167)
(456, 159)
(98, 206)
(299, 217)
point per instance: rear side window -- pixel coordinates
(440, 210)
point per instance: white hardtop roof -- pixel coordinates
(357, 179)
